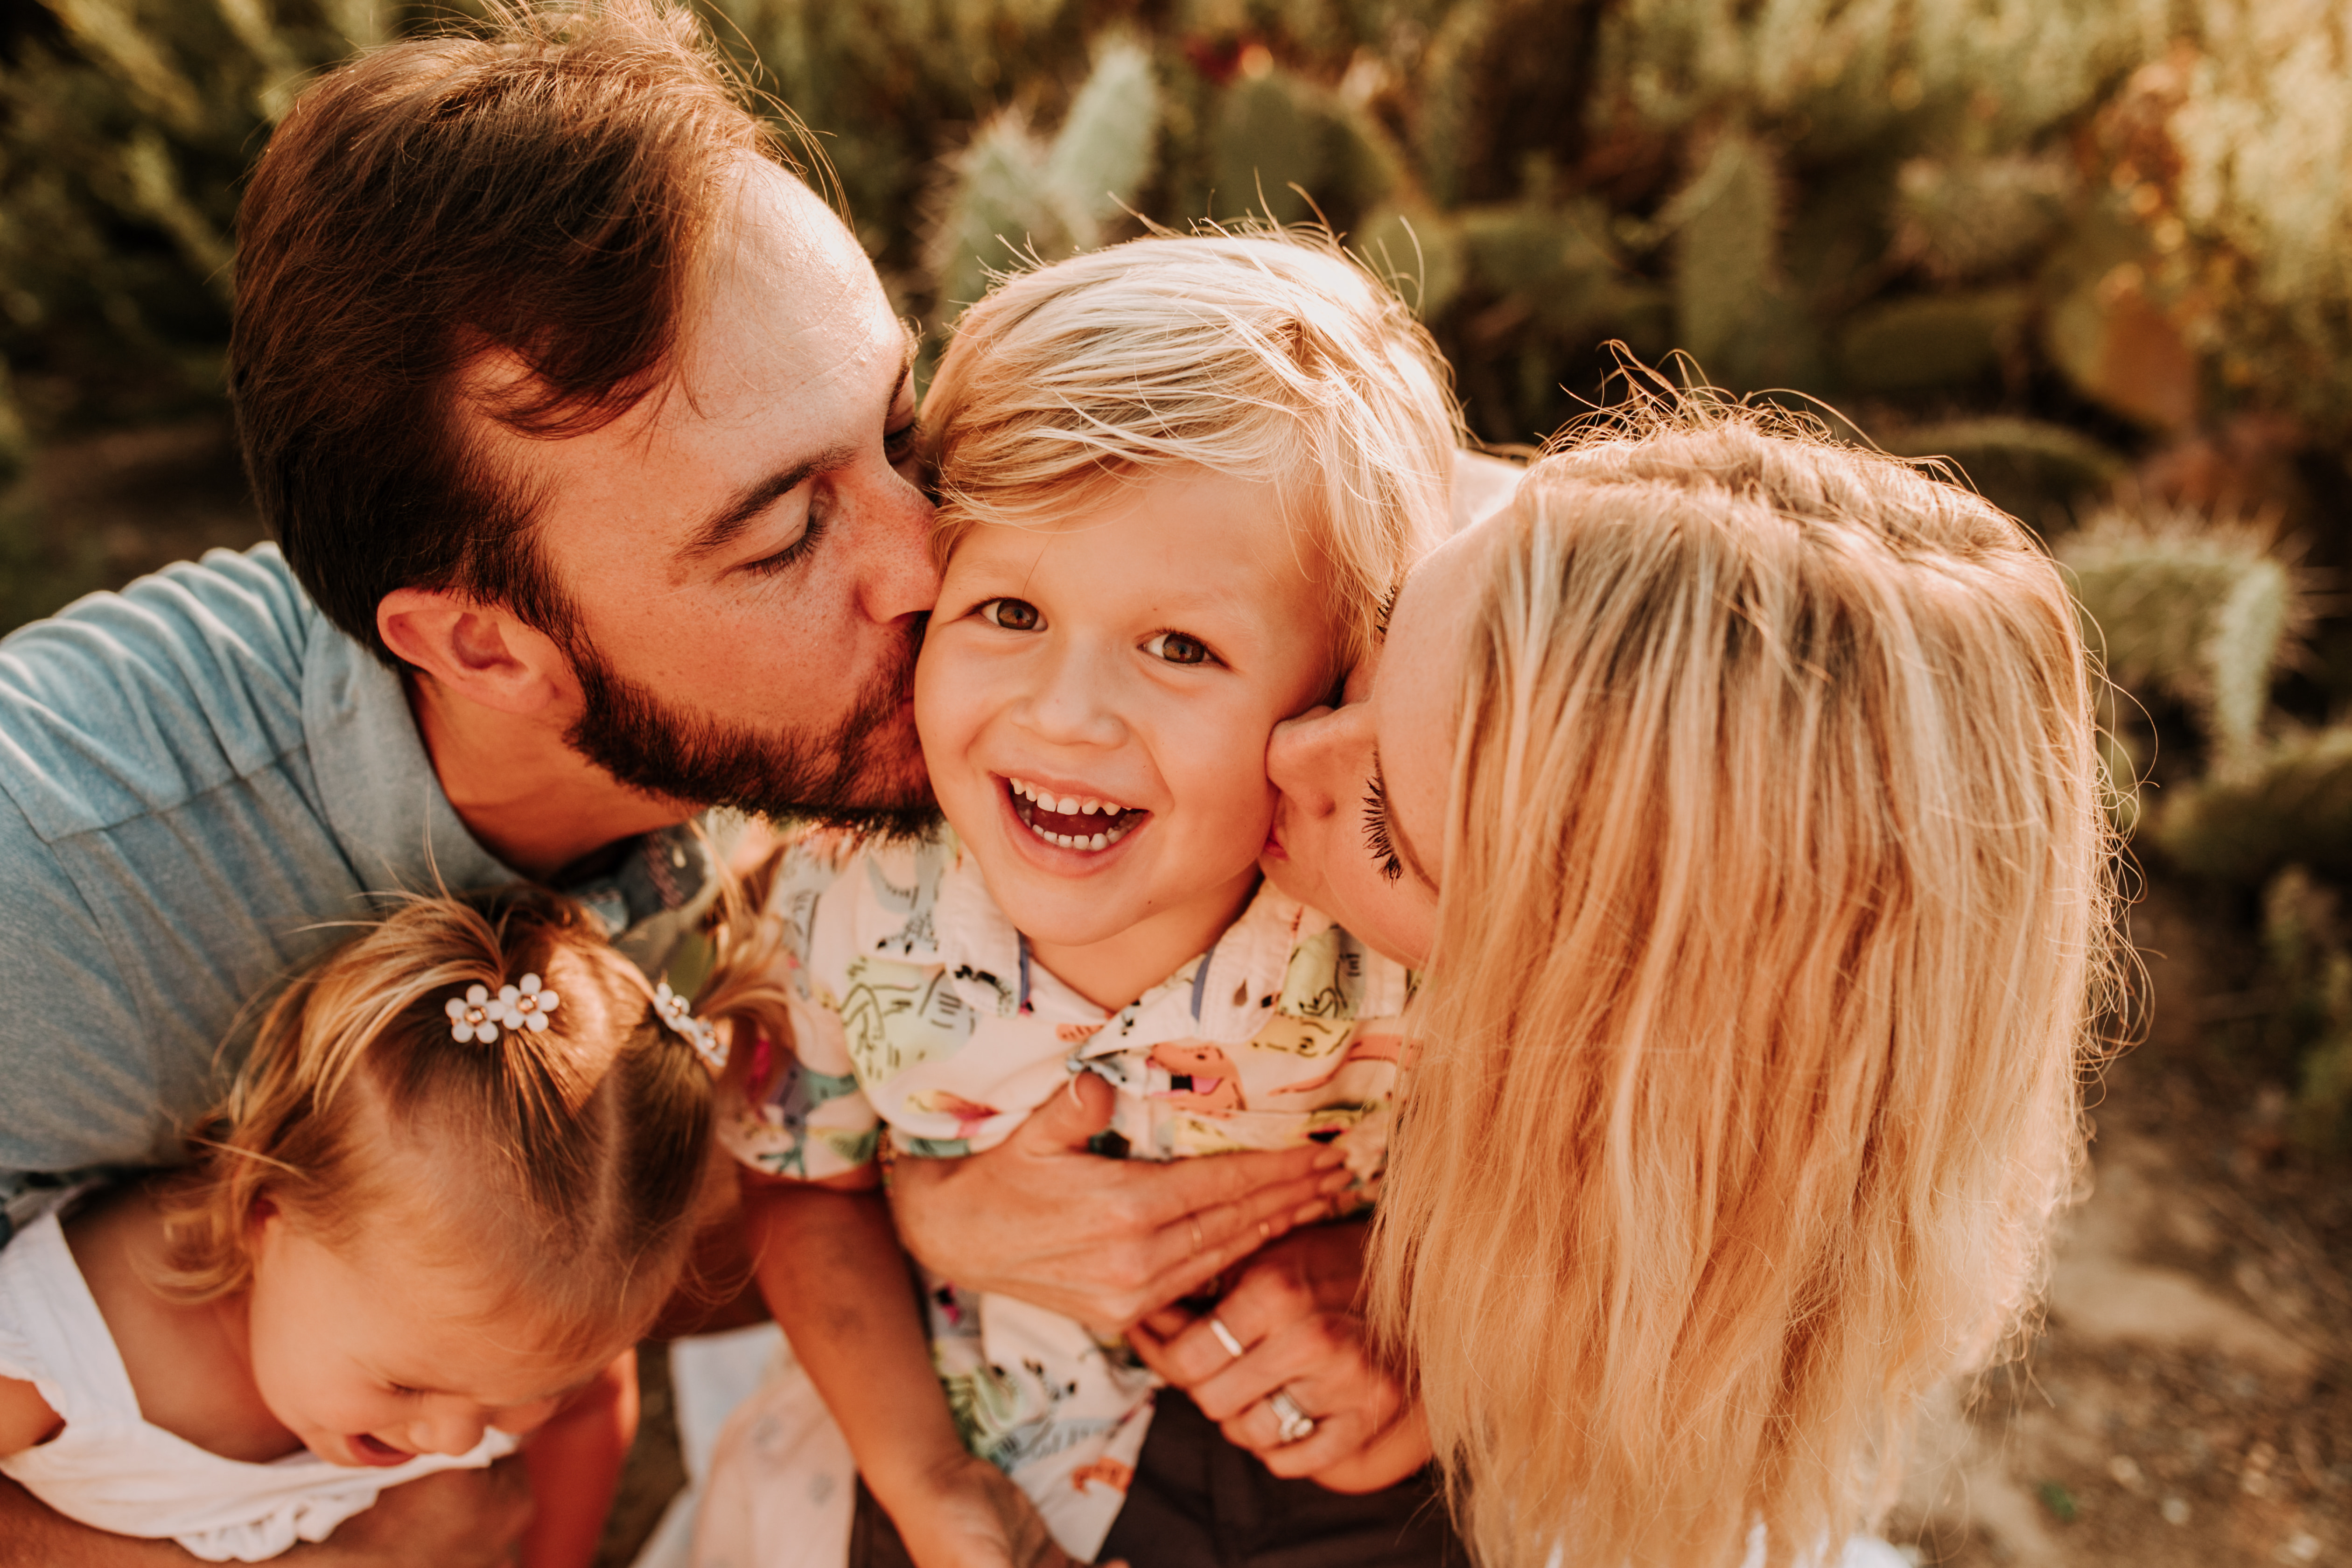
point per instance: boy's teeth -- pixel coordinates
(1065, 805)
(1098, 842)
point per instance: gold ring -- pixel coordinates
(1196, 1232)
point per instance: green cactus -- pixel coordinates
(1011, 195)
(2190, 610)
(1421, 253)
(1000, 208)
(1277, 149)
(2294, 803)
(1933, 339)
(2306, 964)
(1558, 257)
(1964, 220)
(1733, 310)
(2030, 469)
(1446, 108)
(1103, 153)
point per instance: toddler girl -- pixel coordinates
(1178, 477)
(449, 1188)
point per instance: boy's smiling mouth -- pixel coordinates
(1084, 823)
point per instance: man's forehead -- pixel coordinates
(784, 298)
(787, 357)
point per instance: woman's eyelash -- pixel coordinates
(1376, 829)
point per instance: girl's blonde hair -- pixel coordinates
(574, 1163)
(1260, 355)
(1777, 907)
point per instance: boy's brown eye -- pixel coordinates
(1013, 614)
(1177, 648)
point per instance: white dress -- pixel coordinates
(112, 1470)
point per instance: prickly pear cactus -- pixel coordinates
(2190, 610)
(1014, 196)
(2293, 804)
(2306, 964)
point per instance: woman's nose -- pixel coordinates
(1301, 758)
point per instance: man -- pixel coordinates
(589, 437)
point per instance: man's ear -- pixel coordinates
(478, 652)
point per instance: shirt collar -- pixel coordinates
(396, 826)
(376, 783)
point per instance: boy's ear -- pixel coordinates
(480, 652)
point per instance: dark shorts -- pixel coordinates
(1197, 1502)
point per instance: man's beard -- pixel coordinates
(865, 775)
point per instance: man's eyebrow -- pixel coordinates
(721, 529)
(1396, 829)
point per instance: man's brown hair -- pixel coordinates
(544, 185)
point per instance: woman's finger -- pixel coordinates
(1283, 1285)
(1191, 1250)
(1336, 1437)
(1388, 1459)
(1321, 1353)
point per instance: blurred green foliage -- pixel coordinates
(1927, 203)
(2072, 246)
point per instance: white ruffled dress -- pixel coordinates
(112, 1469)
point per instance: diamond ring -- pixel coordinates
(1296, 1425)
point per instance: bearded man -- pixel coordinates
(587, 436)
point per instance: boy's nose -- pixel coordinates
(1072, 705)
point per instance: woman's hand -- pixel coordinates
(1294, 1313)
(1148, 1233)
(972, 1516)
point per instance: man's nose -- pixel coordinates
(900, 577)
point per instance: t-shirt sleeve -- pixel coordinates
(79, 1080)
(812, 1120)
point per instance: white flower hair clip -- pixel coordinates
(522, 1007)
(678, 1013)
(470, 1017)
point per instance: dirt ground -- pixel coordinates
(2189, 1401)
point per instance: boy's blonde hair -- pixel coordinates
(1260, 355)
(575, 1163)
(1777, 900)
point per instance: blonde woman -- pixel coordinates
(1735, 794)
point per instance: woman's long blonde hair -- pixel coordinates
(1777, 908)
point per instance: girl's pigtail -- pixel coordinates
(745, 993)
